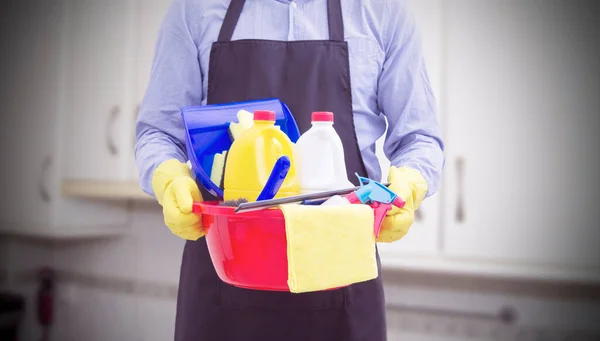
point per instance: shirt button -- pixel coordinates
(293, 4)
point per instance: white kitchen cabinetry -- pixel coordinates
(520, 96)
(99, 37)
(113, 45)
(110, 53)
(77, 72)
(33, 133)
(423, 237)
(518, 99)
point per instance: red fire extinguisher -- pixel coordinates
(45, 301)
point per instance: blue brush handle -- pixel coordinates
(278, 174)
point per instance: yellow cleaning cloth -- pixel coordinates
(329, 246)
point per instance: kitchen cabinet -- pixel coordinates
(517, 100)
(112, 46)
(120, 37)
(519, 181)
(78, 71)
(98, 96)
(32, 135)
(423, 237)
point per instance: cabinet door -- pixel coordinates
(98, 89)
(28, 100)
(522, 115)
(423, 237)
(150, 14)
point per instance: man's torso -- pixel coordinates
(307, 20)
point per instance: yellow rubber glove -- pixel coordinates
(176, 192)
(411, 187)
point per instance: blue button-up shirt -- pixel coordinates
(388, 77)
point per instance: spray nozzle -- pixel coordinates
(379, 197)
(373, 191)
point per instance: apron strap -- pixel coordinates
(230, 21)
(336, 20)
(334, 17)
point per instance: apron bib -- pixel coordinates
(307, 76)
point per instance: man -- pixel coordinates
(361, 60)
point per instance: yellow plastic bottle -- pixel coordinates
(252, 156)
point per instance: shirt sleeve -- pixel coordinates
(406, 99)
(175, 81)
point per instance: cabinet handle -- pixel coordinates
(110, 144)
(419, 215)
(460, 210)
(43, 191)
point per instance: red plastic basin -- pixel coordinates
(248, 250)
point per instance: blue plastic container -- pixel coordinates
(207, 133)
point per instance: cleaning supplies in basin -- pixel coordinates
(252, 157)
(371, 193)
(209, 130)
(320, 153)
(315, 199)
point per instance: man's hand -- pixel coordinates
(411, 187)
(176, 192)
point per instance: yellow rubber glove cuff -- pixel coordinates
(409, 185)
(176, 192)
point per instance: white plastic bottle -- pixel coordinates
(320, 157)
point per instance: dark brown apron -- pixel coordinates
(308, 76)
